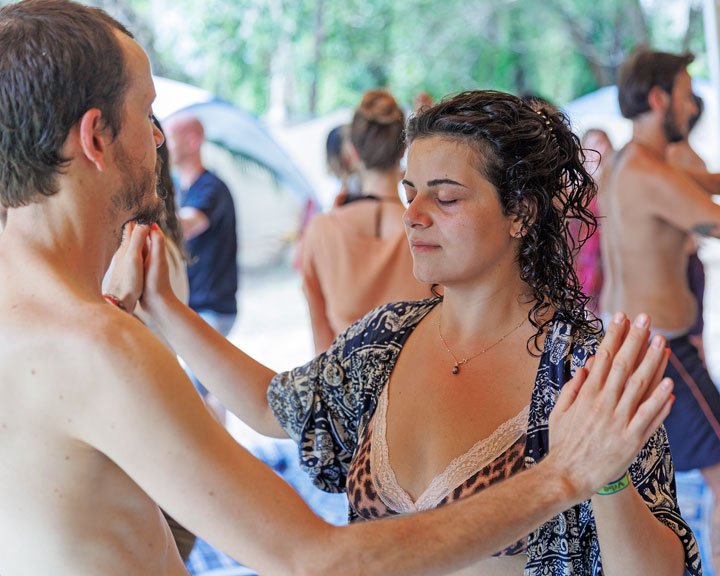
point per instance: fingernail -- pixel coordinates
(657, 342)
(154, 226)
(619, 318)
(642, 321)
(666, 384)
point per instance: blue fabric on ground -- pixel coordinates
(281, 456)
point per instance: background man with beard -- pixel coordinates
(98, 422)
(650, 210)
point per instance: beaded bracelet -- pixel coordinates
(616, 486)
(115, 301)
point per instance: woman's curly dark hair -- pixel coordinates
(528, 152)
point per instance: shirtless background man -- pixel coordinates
(651, 209)
(98, 421)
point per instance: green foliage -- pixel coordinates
(308, 57)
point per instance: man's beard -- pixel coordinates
(137, 193)
(672, 131)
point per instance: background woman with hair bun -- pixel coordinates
(356, 257)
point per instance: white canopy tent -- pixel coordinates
(270, 192)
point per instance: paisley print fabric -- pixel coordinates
(326, 405)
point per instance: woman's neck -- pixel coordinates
(381, 184)
(470, 315)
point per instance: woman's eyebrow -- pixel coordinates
(439, 181)
(436, 182)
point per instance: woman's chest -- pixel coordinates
(433, 416)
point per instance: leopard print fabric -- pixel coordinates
(362, 487)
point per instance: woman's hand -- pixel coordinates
(156, 272)
(607, 412)
(127, 279)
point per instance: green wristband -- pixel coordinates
(616, 486)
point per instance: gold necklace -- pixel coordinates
(458, 363)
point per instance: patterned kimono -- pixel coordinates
(326, 404)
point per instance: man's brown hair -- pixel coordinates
(58, 59)
(643, 70)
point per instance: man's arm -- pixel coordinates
(706, 181)
(147, 418)
(192, 221)
(676, 199)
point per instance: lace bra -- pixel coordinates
(373, 489)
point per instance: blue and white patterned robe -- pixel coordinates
(326, 404)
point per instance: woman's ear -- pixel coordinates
(94, 138)
(517, 228)
(524, 217)
(352, 157)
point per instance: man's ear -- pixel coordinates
(658, 99)
(94, 138)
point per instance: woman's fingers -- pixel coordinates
(157, 275)
(137, 238)
(614, 336)
(569, 392)
(644, 379)
(628, 357)
(651, 412)
(659, 419)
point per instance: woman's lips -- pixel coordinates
(423, 247)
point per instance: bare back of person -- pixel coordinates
(68, 509)
(644, 254)
(377, 217)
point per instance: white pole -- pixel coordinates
(711, 19)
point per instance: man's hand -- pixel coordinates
(126, 281)
(611, 407)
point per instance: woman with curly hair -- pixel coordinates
(421, 403)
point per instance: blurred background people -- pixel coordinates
(339, 164)
(208, 222)
(588, 262)
(356, 257)
(421, 100)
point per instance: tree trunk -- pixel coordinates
(317, 55)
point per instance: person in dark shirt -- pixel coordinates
(207, 218)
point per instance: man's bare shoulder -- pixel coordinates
(637, 167)
(84, 351)
(126, 352)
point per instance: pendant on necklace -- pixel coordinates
(456, 368)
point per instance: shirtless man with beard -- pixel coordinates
(98, 422)
(651, 209)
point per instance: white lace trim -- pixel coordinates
(458, 471)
